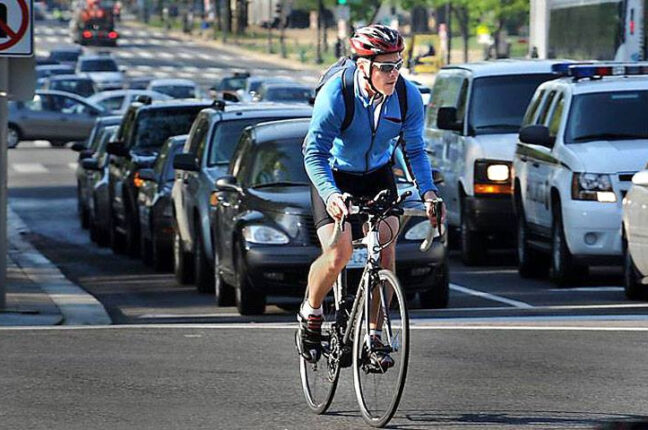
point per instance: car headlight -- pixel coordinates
(419, 231)
(593, 186)
(492, 177)
(264, 235)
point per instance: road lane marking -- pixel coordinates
(488, 296)
(292, 326)
(73, 165)
(41, 143)
(29, 168)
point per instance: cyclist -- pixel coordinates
(357, 160)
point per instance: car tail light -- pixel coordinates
(113, 35)
(87, 34)
(137, 181)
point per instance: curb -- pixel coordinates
(76, 305)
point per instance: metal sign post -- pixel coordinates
(4, 113)
(16, 40)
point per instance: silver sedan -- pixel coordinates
(56, 116)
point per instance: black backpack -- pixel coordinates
(347, 67)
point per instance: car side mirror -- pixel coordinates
(536, 135)
(228, 183)
(90, 164)
(447, 119)
(186, 161)
(78, 146)
(86, 153)
(147, 175)
(117, 148)
(640, 178)
(437, 177)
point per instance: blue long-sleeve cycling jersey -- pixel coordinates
(360, 148)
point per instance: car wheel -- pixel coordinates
(115, 238)
(202, 271)
(58, 143)
(563, 269)
(82, 210)
(97, 233)
(223, 293)
(159, 255)
(473, 247)
(248, 301)
(531, 262)
(181, 261)
(146, 251)
(438, 296)
(13, 136)
(634, 290)
(132, 232)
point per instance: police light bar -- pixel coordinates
(610, 69)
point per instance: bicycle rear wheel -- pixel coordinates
(379, 390)
(319, 380)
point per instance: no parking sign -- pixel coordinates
(16, 28)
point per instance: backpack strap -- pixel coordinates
(349, 96)
(401, 91)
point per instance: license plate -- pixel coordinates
(358, 259)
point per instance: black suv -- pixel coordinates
(143, 131)
(206, 155)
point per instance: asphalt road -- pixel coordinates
(507, 353)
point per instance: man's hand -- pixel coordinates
(336, 207)
(429, 207)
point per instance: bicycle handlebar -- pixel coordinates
(380, 206)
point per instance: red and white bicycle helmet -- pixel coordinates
(375, 40)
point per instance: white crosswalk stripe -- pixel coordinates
(41, 144)
(72, 166)
(29, 168)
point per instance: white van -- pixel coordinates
(471, 131)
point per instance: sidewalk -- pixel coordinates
(37, 293)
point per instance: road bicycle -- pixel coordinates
(379, 302)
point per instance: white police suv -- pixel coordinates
(583, 137)
(471, 130)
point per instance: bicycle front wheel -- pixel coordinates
(319, 380)
(379, 380)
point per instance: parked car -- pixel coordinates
(52, 115)
(103, 70)
(583, 138)
(143, 131)
(263, 230)
(67, 55)
(635, 237)
(86, 150)
(205, 157)
(117, 101)
(176, 88)
(253, 83)
(47, 70)
(155, 208)
(471, 129)
(96, 168)
(79, 85)
(226, 89)
(285, 93)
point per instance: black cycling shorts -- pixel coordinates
(358, 185)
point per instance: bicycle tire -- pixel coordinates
(379, 406)
(326, 371)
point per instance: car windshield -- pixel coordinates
(287, 94)
(43, 73)
(155, 126)
(81, 87)
(279, 162)
(226, 136)
(232, 84)
(619, 115)
(176, 91)
(99, 65)
(499, 102)
(64, 55)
